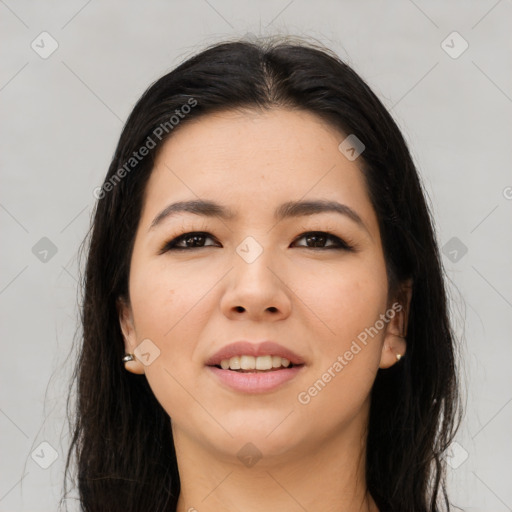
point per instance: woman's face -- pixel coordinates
(311, 282)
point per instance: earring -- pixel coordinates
(399, 356)
(127, 358)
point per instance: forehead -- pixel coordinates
(256, 158)
(251, 139)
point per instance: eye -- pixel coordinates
(314, 240)
(320, 240)
(187, 241)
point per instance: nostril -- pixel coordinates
(239, 309)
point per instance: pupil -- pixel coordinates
(192, 240)
(320, 240)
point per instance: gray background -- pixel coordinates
(61, 118)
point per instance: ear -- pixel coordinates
(395, 344)
(130, 339)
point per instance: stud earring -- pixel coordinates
(127, 358)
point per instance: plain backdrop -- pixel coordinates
(71, 73)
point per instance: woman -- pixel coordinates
(264, 316)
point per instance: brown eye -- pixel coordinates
(322, 240)
(187, 241)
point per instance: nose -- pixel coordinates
(256, 291)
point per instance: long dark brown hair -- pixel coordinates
(122, 456)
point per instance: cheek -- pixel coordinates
(165, 298)
(349, 304)
(345, 298)
(168, 306)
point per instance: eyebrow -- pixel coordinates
(207, 208)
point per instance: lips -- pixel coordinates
(245, 348)
(227, 366)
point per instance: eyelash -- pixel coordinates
(340, 244)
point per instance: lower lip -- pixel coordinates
(255, 382)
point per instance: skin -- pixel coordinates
(313, 300)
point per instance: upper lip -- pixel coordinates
(246, 348)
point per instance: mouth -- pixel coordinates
(259, 364)
(247, 368)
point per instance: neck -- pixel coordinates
(327, 477)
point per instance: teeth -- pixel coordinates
(254, 363)
(247, 362)
(264, 363)
(234, 363)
